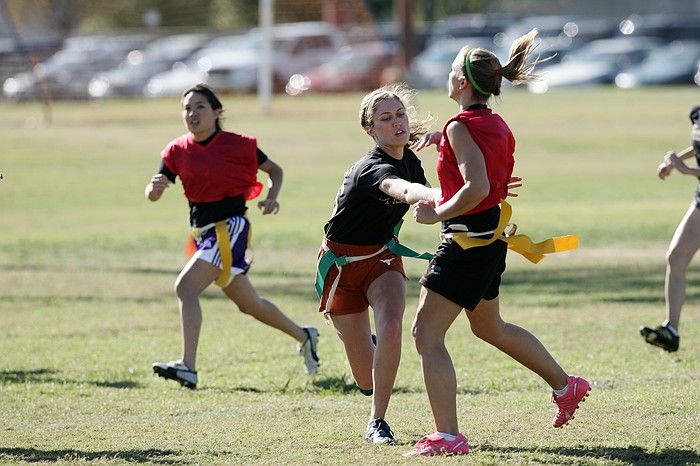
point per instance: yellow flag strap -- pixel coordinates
(224, 244)
(522, 244)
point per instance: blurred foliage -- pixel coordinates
(89, 16)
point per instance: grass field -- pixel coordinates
(86, 300)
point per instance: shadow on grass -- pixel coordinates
(632, 284)
(339, 385)
(632, 454)
(28, 376)
(33, 455)
(53, 376)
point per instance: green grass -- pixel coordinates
(86, 301)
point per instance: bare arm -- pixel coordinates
(407, 192)
(673, 160)
(472, 166)
(270, 205)
(154, 189)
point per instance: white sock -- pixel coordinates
(561, 391)
(448, 437)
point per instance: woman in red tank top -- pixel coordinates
(474, 168)
(218, 173)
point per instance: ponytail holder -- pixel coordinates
(468, 69)
(497, 72)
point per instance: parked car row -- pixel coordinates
(319, 57)
(639, 50)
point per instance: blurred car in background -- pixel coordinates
(358, 67)
(66, 74)
(129, 78)
(430, 68)
(674, 63)
(469, 25)
(296, 47)
(596, 63)
(668, 27)
(562, 33)
(219, 52)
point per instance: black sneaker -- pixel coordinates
(379, 432)
(177, 371)
(662, 337)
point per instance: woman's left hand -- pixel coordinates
(424, 212)
(269, 206)
(514, 182)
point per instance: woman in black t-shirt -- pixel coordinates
(684, 244)
(374, 196)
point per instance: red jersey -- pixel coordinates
(226, 167)
(496, 142)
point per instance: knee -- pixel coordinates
(676, 258)
(184, 290)
(250, 306)
(421, 338)
(390, 330)
(488, 332)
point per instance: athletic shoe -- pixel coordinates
(379, 432)
(435, 445)
(307, 350)
(662, 337)
(177, 371)
(569, 401)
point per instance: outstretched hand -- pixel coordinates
(269, 206)
(514, 182)
(424, 212)
(427, 140)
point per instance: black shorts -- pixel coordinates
(465, 277)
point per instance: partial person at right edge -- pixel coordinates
(684, 244)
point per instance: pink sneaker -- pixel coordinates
(569, 401)
(435, 445)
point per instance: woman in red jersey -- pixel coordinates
(365, 270)
(474, 167)
(218, 173)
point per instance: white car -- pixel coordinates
(296, 47)
(220, 52)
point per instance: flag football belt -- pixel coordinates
(522, 244)
(223, 242)
(329, 259)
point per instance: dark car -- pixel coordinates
(430, 68)
(675, 63)
(469, 25)
(664, 26)
(66, 74)
(130, 77)
(596, 63)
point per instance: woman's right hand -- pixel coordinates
(427, 140)
(160, 182)
(666, 167)
(155, 188)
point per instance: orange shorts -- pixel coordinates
(350, 296)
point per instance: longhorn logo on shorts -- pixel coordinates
(387, 261)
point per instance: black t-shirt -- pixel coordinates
(363, 214)
(205, 213)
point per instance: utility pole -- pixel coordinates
(404, 11)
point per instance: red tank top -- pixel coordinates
(226, 167)
(496, 142)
